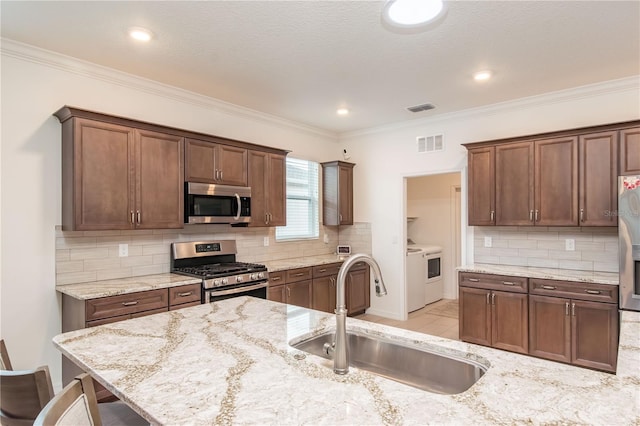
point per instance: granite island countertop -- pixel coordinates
(230, 362)
(595, 277)
(105, 288)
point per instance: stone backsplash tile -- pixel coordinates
(596, 249)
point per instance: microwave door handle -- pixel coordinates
(239, 206)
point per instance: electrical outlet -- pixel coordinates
(326, 239)
(123, 250)
(266, 241)
(488, 241)
(570, 244)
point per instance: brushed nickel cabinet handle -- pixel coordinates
(473, 280)
(288, 291)
(275, 279)
(573, 309)
(221, 172)
(488, 295)
(592, 291)
(548, 287)
(537, 218)
(508, 283)
(493, 298)
(135, 302)
(530, 215)
(138, 216)
(133, 218)
(566, 308)
(322, 270)
(185, 294)
(581, 215)
(299, 274)
(493, 215)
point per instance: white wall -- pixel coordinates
(386, 155)
(34, 85)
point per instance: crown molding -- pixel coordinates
(627, 84)
(29, 53)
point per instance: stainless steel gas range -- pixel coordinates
(222, 276)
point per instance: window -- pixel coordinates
(302, 201)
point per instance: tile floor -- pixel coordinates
(438, 319)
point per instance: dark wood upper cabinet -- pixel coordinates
(482, 186)
(598, 198)
(208, 162)
(514, 184)
(556, 182)
(630, 151)
(337, 193)
(564, 178)
(267, 179)
(118, 177)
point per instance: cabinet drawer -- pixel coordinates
(359, 266)
(298, 274)
(493, 282)
(277, 278)
(574, 290)
(184, 294)
(326, 270)
(123, 304)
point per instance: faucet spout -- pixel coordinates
(340, 347)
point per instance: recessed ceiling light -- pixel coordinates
(482, 75)
(342, 111)
(411, 13)
(140, 34)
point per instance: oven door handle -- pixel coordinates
(239, 206)
(243, 289)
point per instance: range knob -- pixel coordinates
(216, 282)
(225, 281)
(260, 275)
(239, 279)
(253, 277)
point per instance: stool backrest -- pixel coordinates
(75, 405)
(23, 394)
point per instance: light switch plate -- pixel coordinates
(123, 250)
(488, 241)
(266, 241)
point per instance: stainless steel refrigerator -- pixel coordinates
(629, 241)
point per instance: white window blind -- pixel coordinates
(302, 201)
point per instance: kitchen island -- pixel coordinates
(230, 362)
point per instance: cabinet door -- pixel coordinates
(299, 293)
(629, 150)
(598, 158)
(277, 190)
(159, 180)
(550, 328)
(514, 184)
(276, 293)
(258, 166)
(594, 334)
(101, 192)
(482, 186)
(231, 162)
(475, 316)
(199, 161)
(324, 294)
(556, 182)
(345, 194)
(358, 290)
(510, 321)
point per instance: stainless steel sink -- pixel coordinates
(412, 366)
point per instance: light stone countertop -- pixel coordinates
(302, 262)
(229, 362)
(544, 273)
(96, 289)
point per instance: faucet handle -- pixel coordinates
(329, 348)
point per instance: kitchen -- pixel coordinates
(36, 83)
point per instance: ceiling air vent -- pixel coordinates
(430, 143)
(423, 107)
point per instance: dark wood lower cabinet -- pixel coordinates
(324, 294)
(299, 293)
(494, 318)
(357, 289)
(550, 328)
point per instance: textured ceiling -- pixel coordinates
(301, 60)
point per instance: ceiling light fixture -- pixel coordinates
(342, 111)
(140, 34)
(411, 13)
(482, 75)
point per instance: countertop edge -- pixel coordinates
(607, 278)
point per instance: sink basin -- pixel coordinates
(412, 366)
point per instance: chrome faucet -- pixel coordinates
(339, 349)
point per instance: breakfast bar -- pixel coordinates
(230, 362)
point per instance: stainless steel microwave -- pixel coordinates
(209, 203)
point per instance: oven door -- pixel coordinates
(256, 289)
(206, 203)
